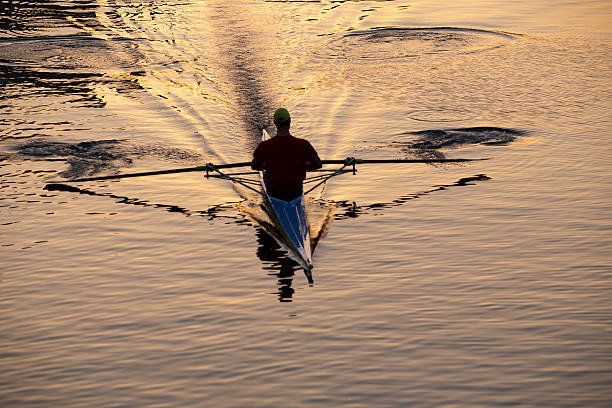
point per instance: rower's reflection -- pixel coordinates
(277, 263)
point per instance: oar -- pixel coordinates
(351, 160)
(208, 166)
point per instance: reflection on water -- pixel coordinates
(275, 258)
(32, 16)
(49, 58)
(352, 210)
(211, 212)
(74, 87)
(47, 50)
(277, 264)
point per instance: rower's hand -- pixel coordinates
(310, 166)
(255, 165)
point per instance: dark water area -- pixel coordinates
(475, 284)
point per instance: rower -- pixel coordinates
(285, 160)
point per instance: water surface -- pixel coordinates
(475, 285)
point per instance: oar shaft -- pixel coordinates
(365, 161)
(145, 173)
(245, 164)
(158, 172)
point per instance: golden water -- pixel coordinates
(479, 285)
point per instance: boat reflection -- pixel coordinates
(277, 263)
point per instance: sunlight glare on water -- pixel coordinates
(480, 284)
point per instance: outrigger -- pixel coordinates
(289, 218)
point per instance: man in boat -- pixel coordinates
(285, 160)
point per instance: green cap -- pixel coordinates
(281, 117)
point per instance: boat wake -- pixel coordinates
(390, 43)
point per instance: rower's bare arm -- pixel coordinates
(313, 161)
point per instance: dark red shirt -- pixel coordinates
(283, 158)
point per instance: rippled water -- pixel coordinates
(475, 285)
